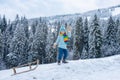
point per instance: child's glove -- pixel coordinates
(54, 45)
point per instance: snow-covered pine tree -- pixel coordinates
(1, 43)
(39, 42)
(45, 34)
(17, 55)
(71, 39)
(24, 21)
(0, 23)
(7, 38)
(4, 37)
(111, 32)
(14, 24)
(95, 39)
(2, 60)
(33, 26)
(51, 52)
(30, 47)
(9, 34)
(35, 45)
(1, 46)
(4, 24)
(32, 53)
(78, 39)
(118, 35)
(86, 39)
(110, 39)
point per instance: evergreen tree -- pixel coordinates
(96, 39)
(4, 37)
(32, 52)
(39, 42)
(70, 43)
(33, 26)
(45, 34)
(86, 39)
(110, 39)
(30, 48)
(17, 53)
(78, 39)
(7, 38)
(111, 32)
(0, 23)
(51, 52)
(3, 24)
(1, 46)
(14, 24)
(118, 31)
(24, 21)
(118, 36)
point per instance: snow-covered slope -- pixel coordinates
(91, 69)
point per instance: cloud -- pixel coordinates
(37, 8)
(30, 9)
(78, 5)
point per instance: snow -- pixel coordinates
(29, 28)
(105, 18)
(116, 11)
(53, 29)
(88, 18)
(90, 69)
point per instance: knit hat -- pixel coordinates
(62, 28)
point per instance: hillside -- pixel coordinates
(91, 69)
(103, 13)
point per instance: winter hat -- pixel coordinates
(62, 28)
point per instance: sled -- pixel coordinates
(31, 68)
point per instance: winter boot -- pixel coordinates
(59, 62)
(64, 61)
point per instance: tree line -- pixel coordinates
(22, 41)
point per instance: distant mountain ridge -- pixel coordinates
(101, 13)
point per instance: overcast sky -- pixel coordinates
(37, 8)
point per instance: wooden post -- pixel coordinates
(30, 66)
(37, 61)
(14, 70)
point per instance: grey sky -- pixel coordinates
(37, 8)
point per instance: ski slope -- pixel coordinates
(90, 69)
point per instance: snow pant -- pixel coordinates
(62, 53)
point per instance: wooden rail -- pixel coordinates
(30, 67)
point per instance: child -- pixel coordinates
(61, 41)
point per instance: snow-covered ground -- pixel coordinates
(91, 69)
(105, 18)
